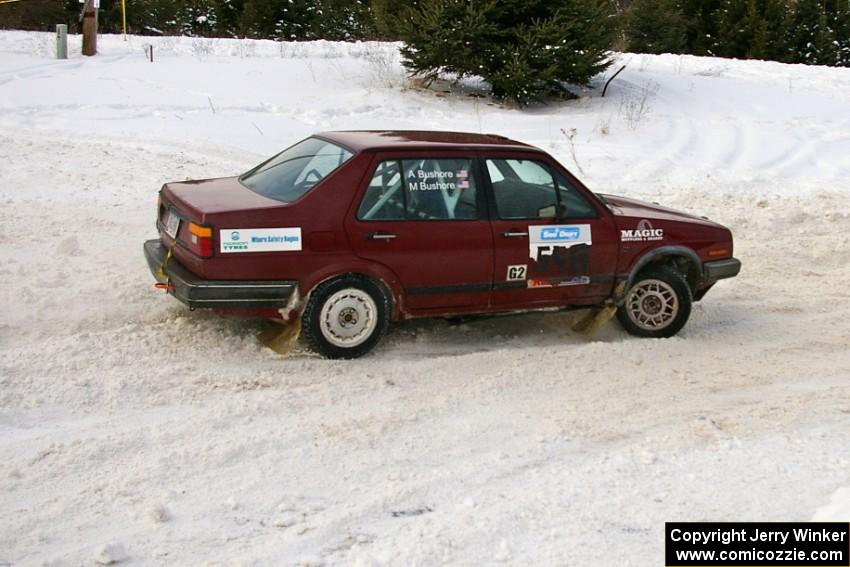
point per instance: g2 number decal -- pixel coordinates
(517, 273)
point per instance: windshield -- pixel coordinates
(293, 172)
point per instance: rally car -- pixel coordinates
(345, 232)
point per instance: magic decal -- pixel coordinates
(644, 232)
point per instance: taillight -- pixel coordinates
(200, 240)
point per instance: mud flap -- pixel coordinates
(595, 318)
(281, 335)
(598, 316)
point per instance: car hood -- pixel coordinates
(212, 196)
(634, 208)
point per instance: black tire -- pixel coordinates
(657, 304)
(353, 324)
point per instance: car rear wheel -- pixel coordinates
(657, 305)
(345, 317)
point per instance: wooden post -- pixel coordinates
(89, 28)
(61, 41)
(124, 17)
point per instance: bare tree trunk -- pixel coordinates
(89, 28)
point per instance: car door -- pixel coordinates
(554, 243)
(422, 216)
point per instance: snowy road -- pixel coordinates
(173, 437)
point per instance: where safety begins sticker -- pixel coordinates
(260, 239)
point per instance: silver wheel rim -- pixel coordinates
(348, 318)
(652, 305)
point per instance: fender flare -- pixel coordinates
(383, 276)
(660, 252)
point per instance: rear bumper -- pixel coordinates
(721, 269)
(218, 294)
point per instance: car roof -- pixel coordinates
(366, 140)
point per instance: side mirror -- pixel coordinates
(547, 212)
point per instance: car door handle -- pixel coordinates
(380, 236)
(513, 234)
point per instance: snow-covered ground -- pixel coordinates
(134, 430)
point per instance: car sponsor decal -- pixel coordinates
(260, 239)
(517, 272)
(558, 282)
(642, 233)
(560, 255)
(544, 239)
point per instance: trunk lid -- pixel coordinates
(200, 200)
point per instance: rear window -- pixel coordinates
(291, 173)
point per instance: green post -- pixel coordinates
(61, 41)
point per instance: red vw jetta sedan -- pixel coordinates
(344, 232)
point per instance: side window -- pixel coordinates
(384, 198)
(421, 189)
(576, 206)
(495, 174)
(440, 189)
(525, 189)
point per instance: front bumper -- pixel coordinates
(721, 269)
(219, 294)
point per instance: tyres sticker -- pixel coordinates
(260, 239)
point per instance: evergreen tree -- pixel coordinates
(42, 15)
(701, 34)
(770, 41)
(753, 29)
(198, 18)
(291, 20)
(388, 17)
(526, 50)
(228, 13)
(152, 16)
(811, 39)
(342, 20)
(655, 26)
(736, 28)
(838, 21)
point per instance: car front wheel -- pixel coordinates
(345, 317)
(657, 305)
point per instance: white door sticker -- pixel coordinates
(260, 239)
(543, 239)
